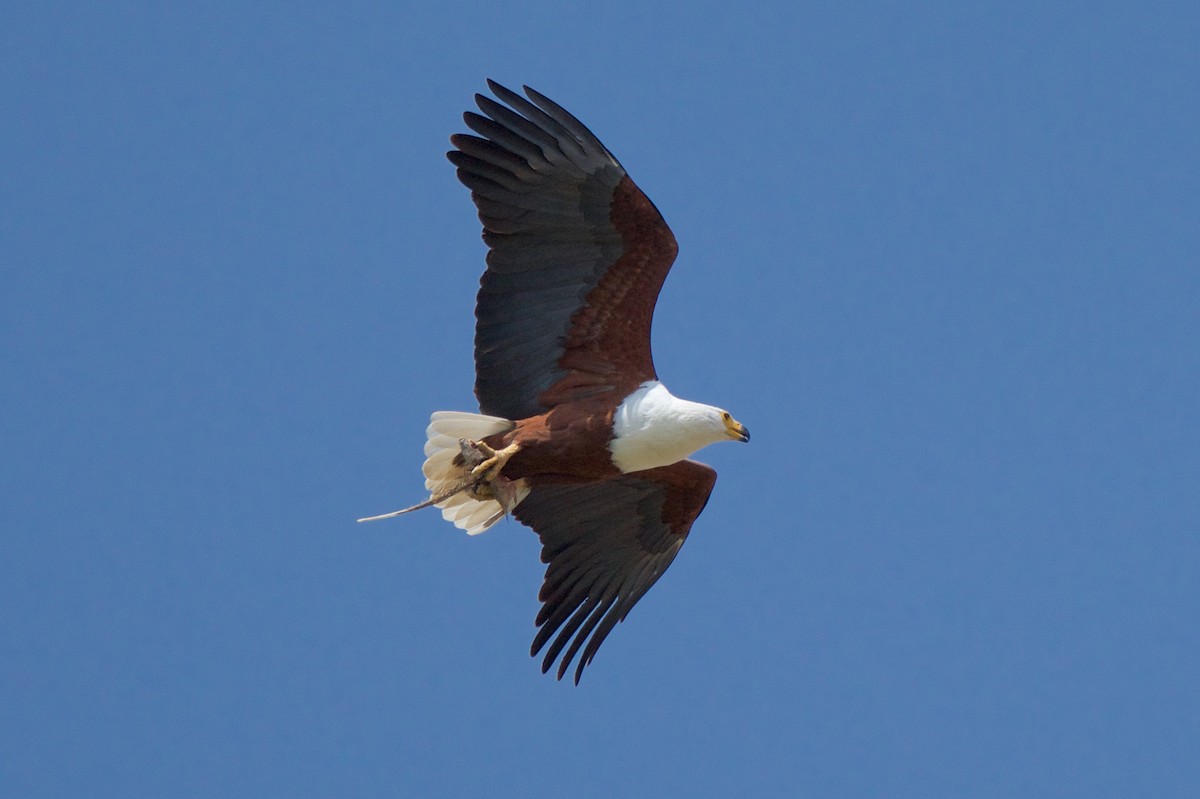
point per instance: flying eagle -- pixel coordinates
(577, 437)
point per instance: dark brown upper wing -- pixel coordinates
(606, 544)
(578, 255)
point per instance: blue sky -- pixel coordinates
(942, 258)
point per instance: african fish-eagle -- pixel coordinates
(576, 437)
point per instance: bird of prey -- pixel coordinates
(576, 438)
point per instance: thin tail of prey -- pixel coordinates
(448, 476)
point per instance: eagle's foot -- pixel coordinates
(494, 460)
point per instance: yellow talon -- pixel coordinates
(496, 459)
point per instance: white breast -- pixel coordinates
(651, 428)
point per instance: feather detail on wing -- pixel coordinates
(605, 545)
(577, 257)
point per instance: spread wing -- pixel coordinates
(606, 544)
(577, 257)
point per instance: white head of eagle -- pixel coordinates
(653, 428)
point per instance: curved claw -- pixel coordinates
(491, 467)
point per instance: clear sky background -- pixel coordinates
(942, 258)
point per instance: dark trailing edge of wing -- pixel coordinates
(573, 244)
(605, 545)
